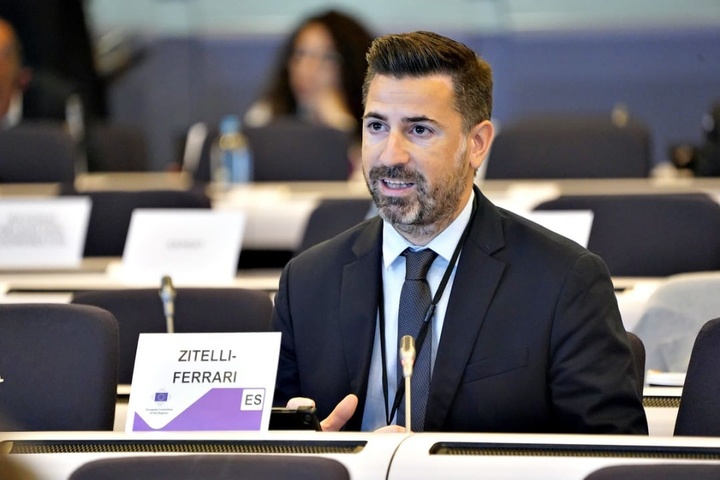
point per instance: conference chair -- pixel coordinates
(331, 217)
(117, 148)
(699, 411)
(58, 365)
(196, 310)
(289, 150)
(42, 152)
(569, 146)
(674, 314)
(652, 235)
(112, 210)
(657, 471)
(285, 150)
(218, 467)
(638, 352)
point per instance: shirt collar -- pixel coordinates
(444, 244)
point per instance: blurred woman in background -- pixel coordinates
(319, 76)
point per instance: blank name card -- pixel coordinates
(43, 232)
(573, 224)
(193, 246)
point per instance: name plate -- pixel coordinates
(193, 246)
(43, 232)
(203, 382)
(572, 224)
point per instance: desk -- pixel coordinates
(366, 456)
(278, 212)
(50, 286)
(661, 408)
(36, 286)
(394, 456)
(538, 457)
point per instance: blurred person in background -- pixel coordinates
(56, 41)
(319, 76)
(24, 93)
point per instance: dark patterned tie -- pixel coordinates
(415, 298)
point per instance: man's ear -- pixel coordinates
(480, 139)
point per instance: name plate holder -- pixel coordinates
(203, 382)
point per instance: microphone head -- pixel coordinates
(407, 354)
(166, 286)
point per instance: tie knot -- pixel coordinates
(418, 263)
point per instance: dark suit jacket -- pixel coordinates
(532, 339)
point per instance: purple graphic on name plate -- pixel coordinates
(218, 409)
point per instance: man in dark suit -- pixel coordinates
(526, 335)
(26, 94)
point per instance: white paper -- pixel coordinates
(43, 232)
(193, 246)
(573, 224)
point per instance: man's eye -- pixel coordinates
(420, 130)
(376, 126)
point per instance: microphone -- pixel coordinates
(407, 360)
(167, 295)
(407, 355)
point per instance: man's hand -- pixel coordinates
(337, 418)
(340, 415)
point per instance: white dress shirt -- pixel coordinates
(393, 274)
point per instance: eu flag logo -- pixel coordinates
(161, 396)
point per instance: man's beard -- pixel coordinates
(427, 209)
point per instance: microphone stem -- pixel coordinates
(408, 407)
(170, 323)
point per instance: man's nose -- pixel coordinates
(395, 150)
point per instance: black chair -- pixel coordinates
(218, 467)
(570, 146)
(290, 151)
(112, 210)
(638, 351)
(42, 152)
(285, 150)
(699, 411)
(652, 235)
(117, 148)
(196, 310)
(657, 471)
(331, 217)
(59, 364)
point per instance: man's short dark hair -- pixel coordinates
(419, 54)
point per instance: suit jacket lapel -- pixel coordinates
(476, 280)
(358, 311)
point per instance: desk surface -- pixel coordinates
(394, 456)
(365, 456)
(56, 285)
(277, 212)
(35, 286)
(539, 457)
